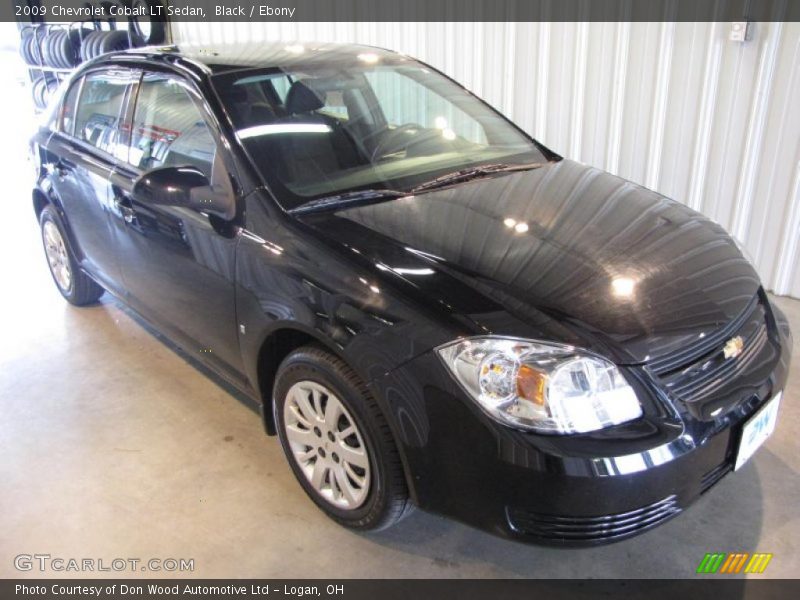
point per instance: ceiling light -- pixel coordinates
(623, 287)
(278, 128)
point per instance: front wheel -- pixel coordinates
(338, 442)
(75, 285)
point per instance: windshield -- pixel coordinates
(328, 129)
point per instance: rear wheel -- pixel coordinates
(338, 442)
(75, 285)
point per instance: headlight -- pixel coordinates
(539, 386)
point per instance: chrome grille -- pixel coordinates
(666, 365)
(586, 529)
(706, 370)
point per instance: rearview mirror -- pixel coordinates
(182, 186)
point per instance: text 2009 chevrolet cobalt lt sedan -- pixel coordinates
(432, 308)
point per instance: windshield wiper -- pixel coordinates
(472, 173)
(346, 199)
(368, 196)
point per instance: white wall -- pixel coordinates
(675, 106)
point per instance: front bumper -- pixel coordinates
(572, 490)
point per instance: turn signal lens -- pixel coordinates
(541, 386)
(531, 384)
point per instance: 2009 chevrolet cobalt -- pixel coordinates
(431, 307)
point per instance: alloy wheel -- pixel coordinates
(327, 445)
(57, 258)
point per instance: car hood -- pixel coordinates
(565, 252)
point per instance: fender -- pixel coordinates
(45, 194)
(274, 342)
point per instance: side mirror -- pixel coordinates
(182, 186)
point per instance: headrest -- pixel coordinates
(261, 113)
(301, 99)
(236, 93)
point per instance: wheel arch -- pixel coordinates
(277, 344)
(40, 201)
(42, 198)
(275, 347)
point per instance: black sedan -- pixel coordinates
(430, 307)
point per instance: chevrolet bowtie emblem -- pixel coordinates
(733, 347)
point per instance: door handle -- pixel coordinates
(63, 167)
(124, 208)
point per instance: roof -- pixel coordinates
(220, 58)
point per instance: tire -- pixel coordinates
(60, 48)
(107, 5)
(114, 41)
(33, 54)
(147, 30)
(47, 48)
(95, 47)
(38, 90)
(88, 51)
(42, 89)
(103, 42)
(76, 36)
(84, 49)
(25, 46)
(76, 287)
(35, 92)
(49, 87)
(382, 499)
(54, 47)
(67, 48)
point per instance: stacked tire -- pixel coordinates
(50, 51)
(41, 90)
(65, 48)
(57, 48)
(60, 48)
(98, 43)
(29, 48)
(147, 31)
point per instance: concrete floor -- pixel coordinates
(113, 446)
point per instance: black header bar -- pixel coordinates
(701, 587)
(412, 10)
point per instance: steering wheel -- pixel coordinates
(387, 141)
